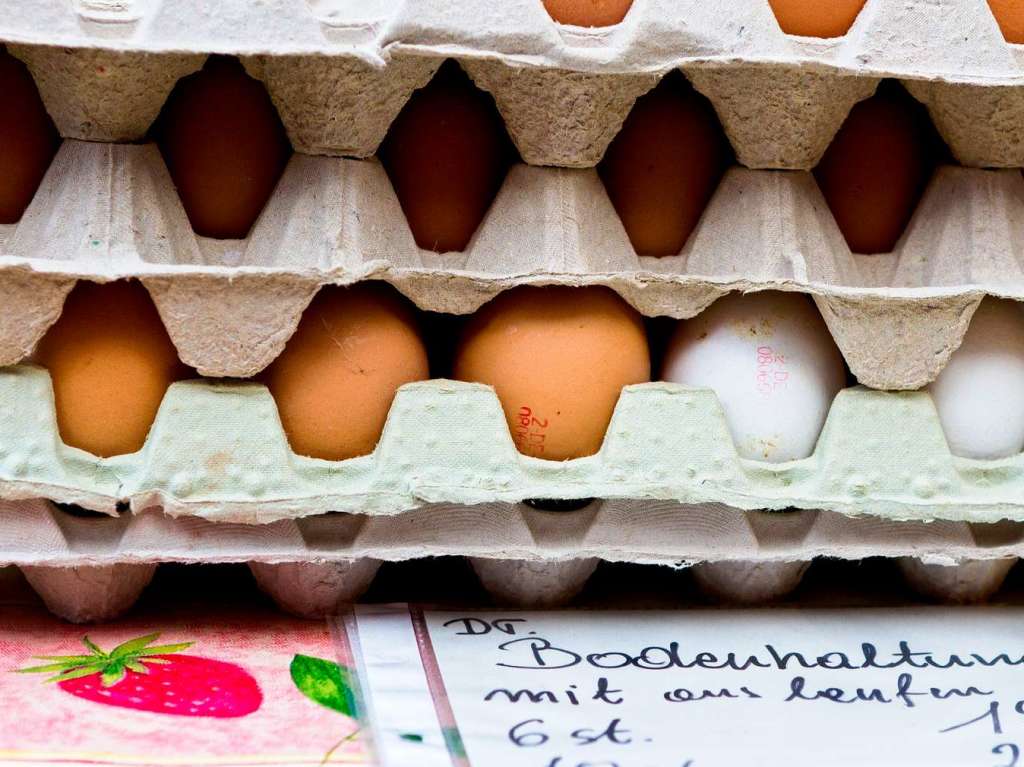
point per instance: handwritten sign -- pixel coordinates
(696, 688)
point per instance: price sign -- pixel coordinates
(696, 688)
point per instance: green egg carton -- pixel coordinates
(218, 451)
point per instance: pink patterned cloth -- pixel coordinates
(40, 723)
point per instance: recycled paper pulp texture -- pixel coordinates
(646, 532)
(110, 211)
(339, 70)
(218, 451)
(88, 569)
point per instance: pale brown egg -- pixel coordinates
(447, 154)
(336, 378)
(876, 169)
(814, 18)
(111, 361)
(558, 358)
(662, 168)
(588, 13)
(1009, 15)
(224, 145)
(28, 139)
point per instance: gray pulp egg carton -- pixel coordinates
(89, 569)
(218, 451)
(340, 70)
(106, 211)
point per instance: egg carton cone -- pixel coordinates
(90, 593)
(749, 582)
(108, 211)
(965, 582)
(92, 568)
(218, 451)
(340, 70)
(314, 590)
(523, 583)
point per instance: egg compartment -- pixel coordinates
(89, 569)
(340, 70)
(105, 211)
(217, 451)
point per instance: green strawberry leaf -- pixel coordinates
(113, 674)
(50, 667)
(165, 649)
(77, 673)
(324, 682)
(139, 647)
(69, 659)
(112, 667)
(133, 646)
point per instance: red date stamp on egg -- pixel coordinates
(529, 432)
(771, 375)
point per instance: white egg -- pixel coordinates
(980, 392)
(772, 363)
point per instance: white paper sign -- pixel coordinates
(696, 688)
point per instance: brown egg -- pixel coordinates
(111, 362)
(28, 138)
(1010, 16)
(814, 18)
(336, 379)
(588, 13)
(447, 154)
(663, 166)
(224, 145)
(558, 358)
(877, 167)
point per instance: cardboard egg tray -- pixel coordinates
(340, 70)
(446, 478)
(94, 568)
(217, 451)
(105, 211)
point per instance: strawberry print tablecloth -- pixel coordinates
(249, 688)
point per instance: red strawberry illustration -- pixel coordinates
(146, 677)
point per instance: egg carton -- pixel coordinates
(340, 70)
(95, 568)
(218, 451)
(105, 211)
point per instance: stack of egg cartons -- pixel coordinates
(217, 480)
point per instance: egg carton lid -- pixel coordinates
(340, 70)
(89, 569)
(107, 211)
(218, 451)
(948, 38)
(35, 532)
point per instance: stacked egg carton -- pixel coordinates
(216, 480)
